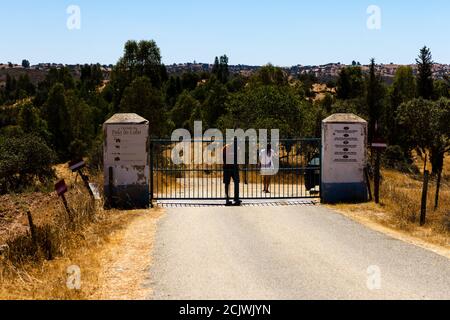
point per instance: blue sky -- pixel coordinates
(283, 32)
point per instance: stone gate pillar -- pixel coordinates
(126, 165)
(344, 157)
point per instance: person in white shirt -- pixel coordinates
(266, 159)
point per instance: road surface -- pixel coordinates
(287, 252)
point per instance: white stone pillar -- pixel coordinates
(344, 157)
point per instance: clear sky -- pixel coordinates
(283, 32)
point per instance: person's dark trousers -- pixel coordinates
(232, 173)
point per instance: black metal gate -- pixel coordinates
(299, 175)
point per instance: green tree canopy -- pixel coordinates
(24, 160)
(147, 101)
(268, 107)
(57, 116)
(270, 75)
(184, 108)
(375, 99)
(350, 84)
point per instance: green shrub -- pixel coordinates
(25, 160)
(395, 158)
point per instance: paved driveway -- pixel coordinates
(287, 252)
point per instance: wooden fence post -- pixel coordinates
(423, 210)
(32, 230)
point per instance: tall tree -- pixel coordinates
(139, 59)
(81, 124)
(220, 69)
(425, 73)
(147, 101)
(413, 118)
(57, 117)
(375, 100)
(183, 110)
(224, 72)
(270, 75)
(216, 67)
(214, 104)
(31, 122)
(402, 90)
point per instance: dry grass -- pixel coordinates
(27, 273)
(47, 279)
(400, 207)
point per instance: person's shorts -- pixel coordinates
(229, 174)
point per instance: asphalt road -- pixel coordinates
(287, 252)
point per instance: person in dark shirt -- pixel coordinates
(231, 171)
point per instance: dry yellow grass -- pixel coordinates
(399, 210)
(84, 242)
(98, 251)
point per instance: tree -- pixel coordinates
(375, 100)
(224, 72)
(26, 64)
(220, 69)
(413, 118)
(307, 82)
(183, 110)
(403, 89)
(24, 160)
(215, 101)
(91, 77)
(425, 73)
(268, 107)
(439, 124)
(139, 60)
(189, 80)
(81, 125)
(172, 90)
(54, 76)
(441, 89)
(216, 67)
(31, 122)
(197, 115)
(441, 142)
(350, 84)
(144, 99)
(57, 117)
(270, 75)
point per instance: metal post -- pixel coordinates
(320, 174)
(369, 187)
(151, 175)
(236, 167)
(85, 179)
(377, 177)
